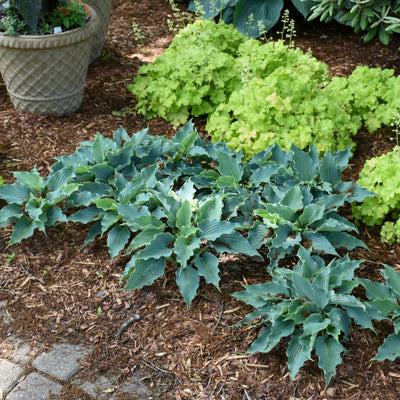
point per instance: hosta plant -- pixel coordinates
(252, 18)
(184, 201)
(313, 304)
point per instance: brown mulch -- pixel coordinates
(52, 290)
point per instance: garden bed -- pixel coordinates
(52, 290)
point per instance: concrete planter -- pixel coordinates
(46, 74)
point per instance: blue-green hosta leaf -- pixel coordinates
(303, 164)
(212, 229)
(340, 320)
(355, 309)
(60, 178)
(187, 279)
(207, 266)
(102, 171)
(307, 266)
(329, 172)
(234, 243)
(9, 214)
(314, 324)
(30, 179)
(258, 235)
(334, 225)
(120, 136)
(267, 12)
(271, 336)
(131, 211)
(86, 215)
(298, 352)
(210, 9)
(145, 222)
(184, 215)
(117, 239)
(14, 193)
(142, 239)
(102, 146)
(285, 238)
(264, 173)
(304, 288)
(185, 248)
(229, 166)
(384, 307)
(375, 290)
(23, 229)
(159, 247)
(109, 219)
(34, 208)
(311, 213)
(343, 239)
(304, 6)
(105, 204)
(392, 278)
(328, 351)
(144, 272)
(390, 348)
(333, 201)
(281, 211)
(187, 191)
(54, 215)
(212, 208)
(293, 199)
(319, 242)
(321, 279)
(257, 295)
(94, 232)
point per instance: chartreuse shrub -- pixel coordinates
(255, 95)
(381, 175)
(183, 201)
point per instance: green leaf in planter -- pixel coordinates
(30, 11)
(328, 351)
(187, 279)
(298, 352)
(390, 349)
(117, 239)
(145, 272)
(207, 266)
(23, 229)
(14, 193)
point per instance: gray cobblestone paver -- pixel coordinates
(62, 361)
(34, 387)
(9, 375)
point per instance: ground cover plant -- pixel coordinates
(185, 201)
(50, 291)
(256, 94)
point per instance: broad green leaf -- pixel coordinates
(60, 178)
(24, 228)
(99, 149)
(328, 170)
(145, 222)
(187, 279)
(328, 351)
(131, 211)
(343, 239)
(184, 248)
(159, 247)
(333, 225)
(303, 164)
(54, 215)
(340, 320)
(304, 6)
(207, 266)
(234, 243)
(264, 173)
(314, 324)
(392, 278)
(9, 213)
(105, 204)
(143, 238)
(184, 215)
(102, 171)
(384, 306)
(117, 239)
(282, 211)
(375, 290)
(308, 291)
(30, 179)
(271, 336)
(229, 165)
(258, 235)
(145, 272)
(311, 213)
(187, 191)
(390, 348)
(86, 215)
(212, 229)
(293, 199)
(14, 193)
(212, 208)
(319, 242)
(298, 353)
(109, 219)
(94, 232)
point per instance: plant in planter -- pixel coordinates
(44, 53)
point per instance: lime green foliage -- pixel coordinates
(256, 94)
(193, 76)
(381, 175)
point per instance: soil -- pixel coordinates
(52, 290)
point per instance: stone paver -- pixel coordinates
(10, 373)
(62, 361)
(17, 350)
(34, 387)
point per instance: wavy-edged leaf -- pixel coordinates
(14, 193)
(159, 247)
(23, 229)
(207, 267)
(117, 239)
(187, 279)
(298, 352)
(390, 349)
(144, 272)
(234, 243)
(212, 229)
(303, 164)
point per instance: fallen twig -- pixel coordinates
(126, 325)
(151, 365)
(41, 280)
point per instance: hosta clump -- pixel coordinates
(312, 303)
(381, 175)
(193, 76)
